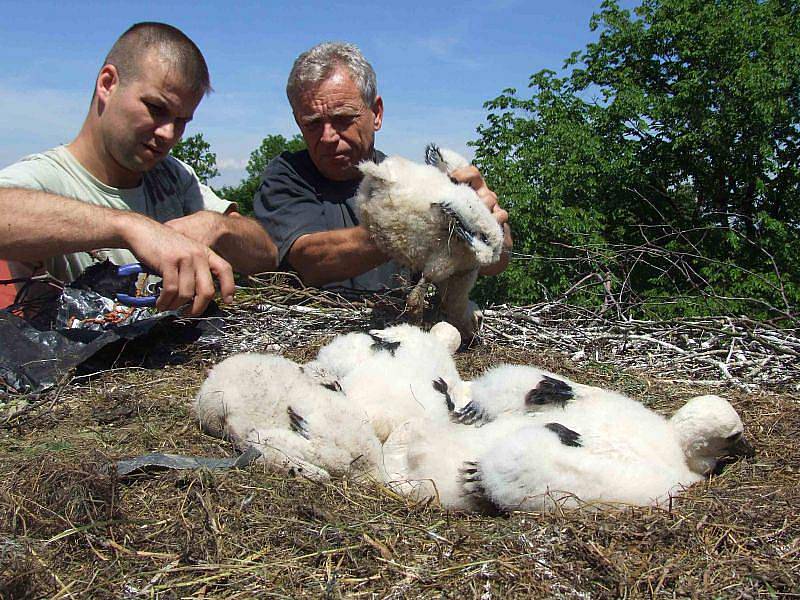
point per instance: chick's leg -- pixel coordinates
(456, 306)
(415, 303)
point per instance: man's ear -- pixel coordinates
(377, 111)
(107, 82)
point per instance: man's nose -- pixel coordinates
(168, 131)
(329, 133)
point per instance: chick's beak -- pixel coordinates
(742, 448)
(738, 449)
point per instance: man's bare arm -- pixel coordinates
(37, 225)
(238, 239)
(328, 256)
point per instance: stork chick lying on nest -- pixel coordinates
(391, 404)
(533, 440)
(395, 374)
(423, 220)
(331, 416)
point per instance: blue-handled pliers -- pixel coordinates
(130, 299)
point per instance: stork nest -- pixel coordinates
(69, 527)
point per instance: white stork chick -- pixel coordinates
(298, 424)
(347, 351)
(522, 389)
(396, 374)
(340, 356)
(425, 459)
(611, 450)
(422, 219)
(617, 453)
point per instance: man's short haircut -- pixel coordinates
(314, 66)
(171, 44)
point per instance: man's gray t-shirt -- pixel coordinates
(295, 199)
(168, 191)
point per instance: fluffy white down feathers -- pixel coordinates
(430, 224)
(420, 217)
(299, 425)
(330, 417)
(390, 404)
(557, 443)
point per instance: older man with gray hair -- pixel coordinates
(307, 199)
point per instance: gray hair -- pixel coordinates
(314, 66)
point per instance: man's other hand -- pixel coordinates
(204, 226)
(472, 176)
(187, 267)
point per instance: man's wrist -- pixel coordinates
(220, 228)
(124, 227)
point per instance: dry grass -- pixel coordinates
(69, 528)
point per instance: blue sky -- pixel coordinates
(437, 63)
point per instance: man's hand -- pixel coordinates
(186, 266)
(36, 225)
(470, 175)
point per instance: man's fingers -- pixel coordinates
(471, 176)
(187, 265)
(500, 214)
(169, 288)
(203, 288)
(186, 283)
(489, 198)
(192, 281)
(224, 273)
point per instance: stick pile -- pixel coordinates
(722, 351)
(710, 350)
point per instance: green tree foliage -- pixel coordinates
(664, 165)
(196, 152)
(271, 146)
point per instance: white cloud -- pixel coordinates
(230, 164)
(451, 49)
